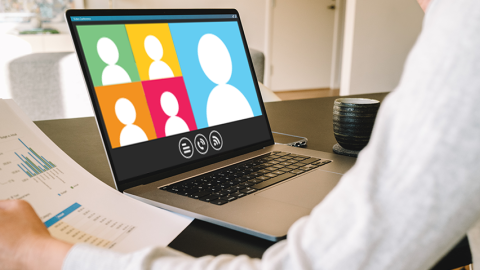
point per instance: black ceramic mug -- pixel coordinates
(353, 120)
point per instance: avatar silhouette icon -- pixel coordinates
(126, 114)
(175, 124)
(158, 69)
(225, 103)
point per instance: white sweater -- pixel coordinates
(415, 189)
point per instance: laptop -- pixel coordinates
(183, 124)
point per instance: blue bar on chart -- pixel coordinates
(61, 215)
(34, 165)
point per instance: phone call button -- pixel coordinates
(201, 144)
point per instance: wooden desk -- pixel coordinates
(311, 118)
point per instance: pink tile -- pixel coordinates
(153, 91)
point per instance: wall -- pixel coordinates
(302, 40)
(378, 36)
(252, 13)
(338, 34)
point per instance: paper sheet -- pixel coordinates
(73, 204)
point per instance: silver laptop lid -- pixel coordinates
(172, 90)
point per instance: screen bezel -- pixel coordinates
(187, 166)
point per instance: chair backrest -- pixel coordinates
(258, 59)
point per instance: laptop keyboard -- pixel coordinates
(239, 180)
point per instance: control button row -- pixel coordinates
(200, 143)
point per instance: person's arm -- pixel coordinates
(25, 242)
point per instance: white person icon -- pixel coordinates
(225, 103)
(175, 124)
(158, 69)
(113, 73)
(126, 113)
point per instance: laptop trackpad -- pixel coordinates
(305, 190)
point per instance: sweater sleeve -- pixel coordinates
(414, 191)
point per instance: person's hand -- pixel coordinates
(25, 242)
(423, 4)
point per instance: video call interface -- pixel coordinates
(170, 92)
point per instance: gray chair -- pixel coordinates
(258, 60)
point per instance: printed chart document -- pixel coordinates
(73, 204)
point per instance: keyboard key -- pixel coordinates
(239, 194)
(246, 184)
(273, 180)
(248, 190)
(326, 161)
(221, 193)
(293, 167)
(228, 178)
(229, 198)
(286, 163)
(310, 160)
(270, 175)
(263, 171)
(285, 169)
(210, 198)
(238, 180)
(247, 177)
(278, 172)
(226, 185)
(278, 166)
(199, 195)
(219, 202)
(254, 181)
(263, 178)
(230, 190)
(308, 166)
(297, 171)
(216, 188)
(187, 192)
(175, 189)
(280, 160)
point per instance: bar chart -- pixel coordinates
(33, 164)
(22, 164)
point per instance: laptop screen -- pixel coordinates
(169, 90)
